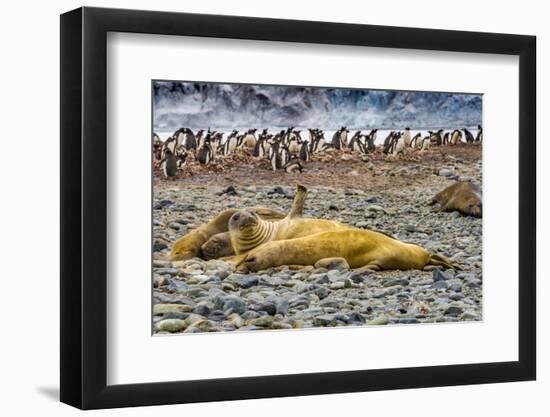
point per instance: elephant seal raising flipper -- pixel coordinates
(248, 230)
(189, 245)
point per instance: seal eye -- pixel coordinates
(236, 216)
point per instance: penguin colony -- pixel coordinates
(291, 149)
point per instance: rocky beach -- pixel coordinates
(378, 193)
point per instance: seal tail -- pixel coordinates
(439, 260)
(298, 203)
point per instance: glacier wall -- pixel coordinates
(226, 106)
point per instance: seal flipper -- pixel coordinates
(439, 260)
(298, 204)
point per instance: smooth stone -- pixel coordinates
(397, 281)
(322, 278)
(469, 315)
(380, 320)
(440, 275)
(201, 325)
(230, 302)
(245, 281)
(217, 315)
(249, 315)
(269, 307)
(324, 320)
(338, 285)
(236, 320)
(265, 321)
(440, 285)
(453, 311)
(356, 277)
(321, 291)
(203, 308)
(171, 325)
(171, 308)
(357, 318)
(159, 281)
(332, 263)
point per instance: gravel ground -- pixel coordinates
(380, 194)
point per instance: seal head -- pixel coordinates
(248, 231)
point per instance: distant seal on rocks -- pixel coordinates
(462, 196)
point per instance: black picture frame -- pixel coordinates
(84, 207)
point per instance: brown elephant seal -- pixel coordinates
(462, 196)
(360, 248)
(248, 230)
(189, 246)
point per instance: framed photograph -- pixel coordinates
(257, 208)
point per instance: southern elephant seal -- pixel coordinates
(248, 230)
(462, 196)
(189, 245)
(360, 248)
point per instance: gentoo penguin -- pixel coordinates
(336, 142)
(275, 157)
(156, 139)
(259, 148)
(372, 136)
(369, 146)
(456, 137)
(264, 134)
(204, 153)
(293, 165)
(354, 143)
(250, 139)
(446, 138)
(200, 138)
(185, 137)
(318, 143)
(181, 160)
(169, 164)
(416, 141)
(157, 147)
(407, 137)
(425, 144)
(344, 136)
(304, 152)
(479, 136)
(399, 146)
(468, 135)
(171, 143)
(285, 154)
(294, 142)
(231, 142)
(388, 140)
(436, 137)
(340, 138)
